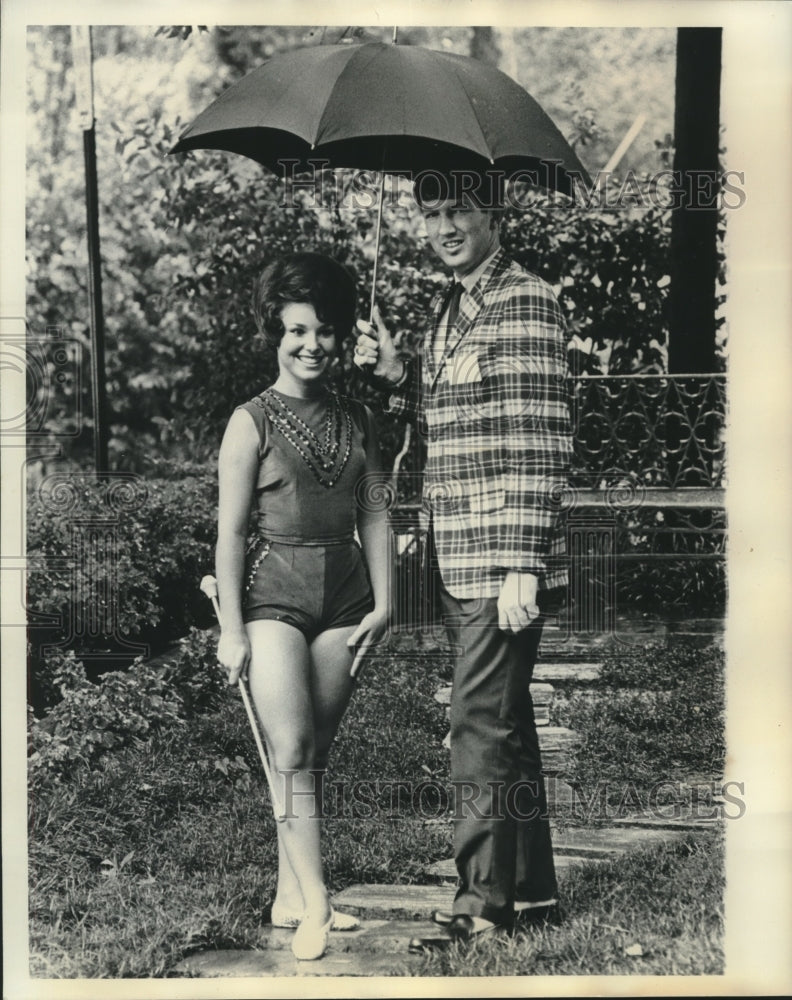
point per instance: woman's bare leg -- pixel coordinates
(280, 684)
(331, 688)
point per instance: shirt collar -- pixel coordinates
(472, 277)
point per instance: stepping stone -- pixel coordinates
(541, 715)
(564, 861)
(567, 673)
(383, 936)
(276, 962)
(280, 938)
(697, 626)
(561, 646)
(559, 792)
(598, 842)
(387, 937)
(447, 871)
(652, 821)
(556, 743)
(404, 902)
(541, 694)
(554, 739)
(565, 645)
(582, 845)
(443, 695)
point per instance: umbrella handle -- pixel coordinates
(376, 247)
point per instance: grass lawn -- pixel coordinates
(166, 845)
(655, 912)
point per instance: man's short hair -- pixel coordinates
(484, 188)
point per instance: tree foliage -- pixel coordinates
(183, 236)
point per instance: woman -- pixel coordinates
(298, 600)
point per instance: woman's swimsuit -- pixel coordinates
(305, 567)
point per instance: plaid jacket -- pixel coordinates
(496, 419)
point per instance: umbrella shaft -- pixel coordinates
(376, 247)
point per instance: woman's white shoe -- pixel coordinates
(281, 917)
(311, 937)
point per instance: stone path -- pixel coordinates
(280, 962)
(391, 914)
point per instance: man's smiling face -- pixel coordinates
(462, 235)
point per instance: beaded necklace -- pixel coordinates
(325, 459)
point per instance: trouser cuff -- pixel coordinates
(496, 915)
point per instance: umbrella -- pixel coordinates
(385, 107)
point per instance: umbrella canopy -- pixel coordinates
(385, 107)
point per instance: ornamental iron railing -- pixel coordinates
(654, 430)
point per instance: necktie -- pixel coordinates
(451, 312)
(453, 304)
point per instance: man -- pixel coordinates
(491, 389)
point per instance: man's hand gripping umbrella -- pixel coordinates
(209, 587)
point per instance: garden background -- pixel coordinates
(183, 236)
(182, 239)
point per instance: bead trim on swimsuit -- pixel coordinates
(322, 459)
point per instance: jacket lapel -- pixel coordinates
(472, 303)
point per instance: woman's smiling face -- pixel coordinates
(307, 347)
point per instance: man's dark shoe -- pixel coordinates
(532, 916)
(460, 928)
(539, 916)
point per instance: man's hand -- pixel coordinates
(517, 602)
(375, 351)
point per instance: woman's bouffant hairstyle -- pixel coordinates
(310, 278)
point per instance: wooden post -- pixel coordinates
(83, 69)
(694, 221)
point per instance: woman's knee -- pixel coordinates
(294, 751)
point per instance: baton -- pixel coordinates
(209, 587)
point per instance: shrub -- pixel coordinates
(190, 233)
(192, 672)
(610, 271)
(92, 719)
(123, 707)
(116, 567)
